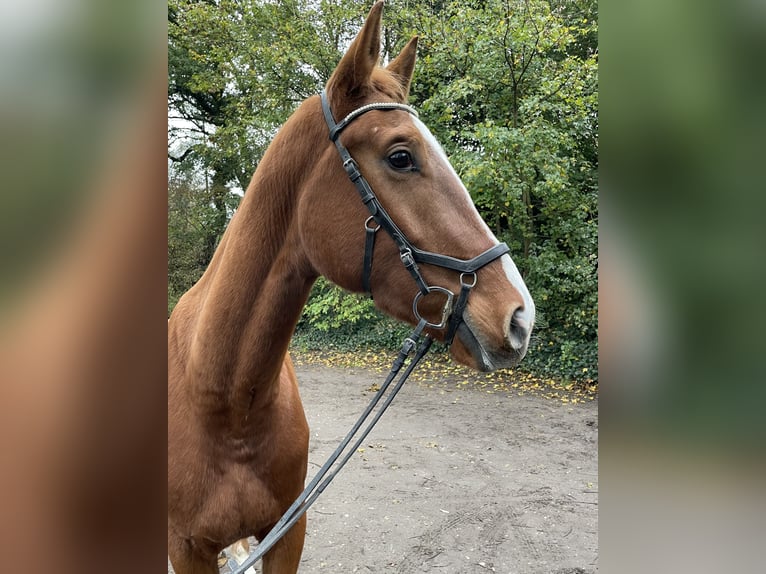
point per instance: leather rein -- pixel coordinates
(452, 316)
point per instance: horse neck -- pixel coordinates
(257, 283)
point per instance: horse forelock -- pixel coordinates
(382, 86)
(389, 85)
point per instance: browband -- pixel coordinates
(335, 129)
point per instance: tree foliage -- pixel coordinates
(508, 86)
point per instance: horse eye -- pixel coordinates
(401, 160)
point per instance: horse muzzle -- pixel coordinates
(485, 353)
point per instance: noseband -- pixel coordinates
(410, 255)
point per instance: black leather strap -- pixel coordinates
(369, 248)
(457, 313)
(462, 265)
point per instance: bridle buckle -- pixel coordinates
(407, 258)
(352, 169)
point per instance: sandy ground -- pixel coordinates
(453, 479)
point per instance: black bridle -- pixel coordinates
(409, 254)
(452, 316)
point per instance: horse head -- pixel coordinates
(429, 208)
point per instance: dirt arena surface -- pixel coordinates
(454, 479)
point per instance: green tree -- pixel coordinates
(508, 86)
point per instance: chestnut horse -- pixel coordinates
(237, 434)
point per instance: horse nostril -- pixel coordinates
(518, 331)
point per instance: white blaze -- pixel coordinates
(511, 271)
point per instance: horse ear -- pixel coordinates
(355, 68)
(403, 65)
